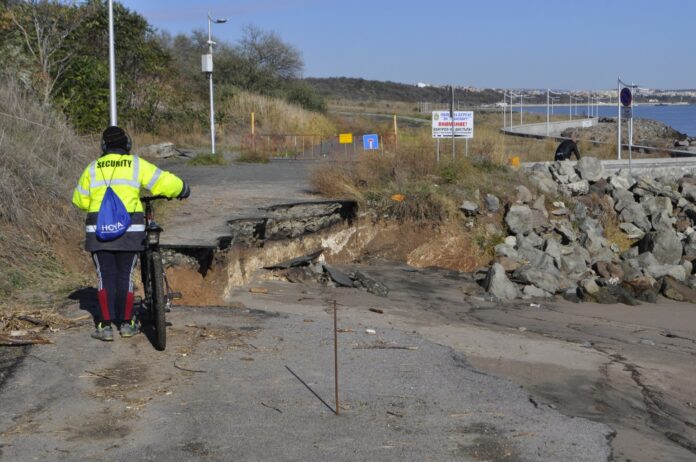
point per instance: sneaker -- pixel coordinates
(129, 329)
(103, 333)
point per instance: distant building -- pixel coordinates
(423, 85)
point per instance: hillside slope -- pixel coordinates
(364, 90)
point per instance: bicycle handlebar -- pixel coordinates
(154, 198)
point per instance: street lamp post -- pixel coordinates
(207, 68)
(553, 101)
(112, 69)
(549, 107)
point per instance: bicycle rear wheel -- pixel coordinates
(157, 299)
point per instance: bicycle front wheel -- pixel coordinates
(157, 300)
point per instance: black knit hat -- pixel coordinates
(115, 138)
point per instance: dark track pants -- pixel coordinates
(115, 290)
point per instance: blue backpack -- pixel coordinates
(113, 219)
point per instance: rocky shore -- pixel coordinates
(646, 132)
(612, 238)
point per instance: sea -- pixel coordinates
(680, 117)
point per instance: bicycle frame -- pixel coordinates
(152, 238)
(157, 294)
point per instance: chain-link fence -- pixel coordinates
(300, 146)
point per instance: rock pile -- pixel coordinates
(646, 132)
(554, 248)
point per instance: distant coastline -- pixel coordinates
(679, 116)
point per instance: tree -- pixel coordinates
(44, 28)
(273, 56)
(143, 71)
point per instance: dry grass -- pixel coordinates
(274, 116)
(254, 157)
(40, 161)
(233, 123)
(431, 190)
(189, 136)
(610, 221)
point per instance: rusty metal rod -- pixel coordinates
(335, 355)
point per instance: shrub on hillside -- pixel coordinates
(40, 161)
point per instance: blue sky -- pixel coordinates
(559, 44)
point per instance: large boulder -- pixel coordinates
(688, 190)
(537, 258)
(594, 242)
(519, 219)
(590, 169)
(663, 221)
(619, 182)
(654, 205)
(524, 195)
(671, 288)
(631, 230)
(634, 214)
(565, 229)
(550, 281)
(644, 288)
(159, 151)
(535, 292)
(469, 208)
(552, 248)
(530, 240)
(540, 205)
(563, 172)
(498, 284)
(609, 270)
(664, 244)
(578, 188)
(690, 245)
(622, 199)
(492, 203)
(658, 271)
(544, 183)
(506, 250)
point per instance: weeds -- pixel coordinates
(273, 115)
(254, 157)
(208, 159)
(40, 161)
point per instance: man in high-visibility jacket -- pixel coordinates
(115, 260)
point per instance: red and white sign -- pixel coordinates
(463, 124)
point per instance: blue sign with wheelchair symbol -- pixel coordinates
(370, 142)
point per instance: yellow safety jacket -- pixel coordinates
(126, 174)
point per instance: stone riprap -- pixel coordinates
(561, 247)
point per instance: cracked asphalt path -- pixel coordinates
(631, 367)
(228, 388)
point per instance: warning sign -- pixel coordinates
(463, 124)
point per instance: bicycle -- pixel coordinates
(157, 294)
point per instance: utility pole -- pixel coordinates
(113, 119)
(207, 68)
(618, 118)
(452, 119)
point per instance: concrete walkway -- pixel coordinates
(653, 167)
